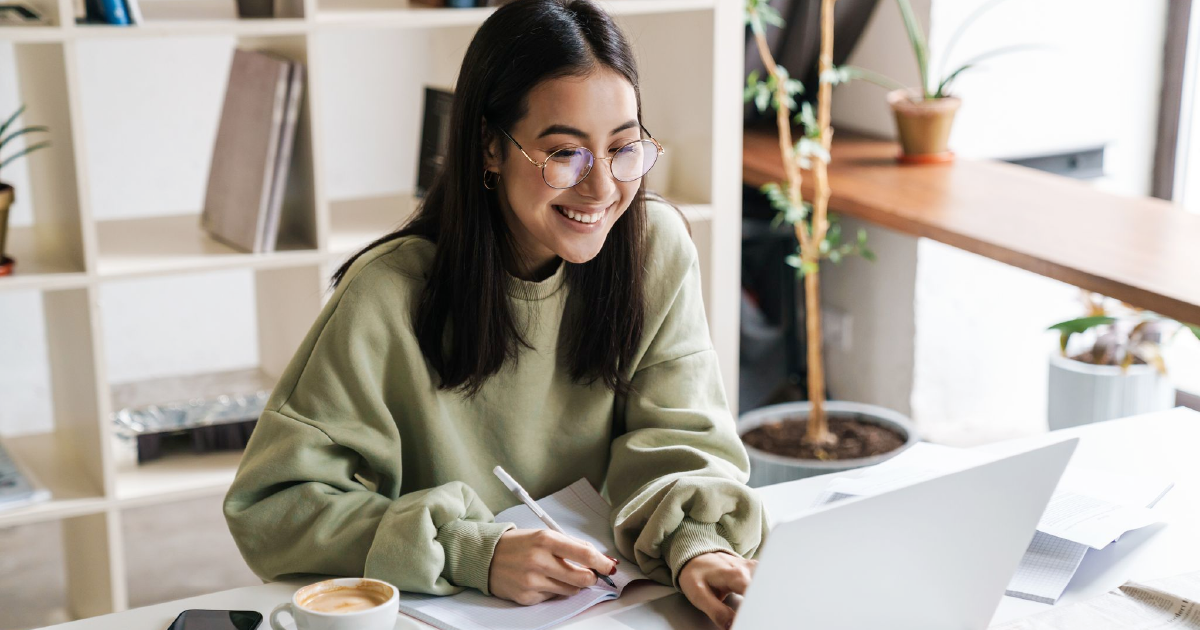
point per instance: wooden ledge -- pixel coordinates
(1144, 251)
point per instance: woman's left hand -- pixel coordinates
(709, 578)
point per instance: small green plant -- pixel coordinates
(933, 86)
(1120, 334)
(6, 139)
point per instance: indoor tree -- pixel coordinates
(819, 236)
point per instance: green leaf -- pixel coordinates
(1195, 329)
(867, 254)
(834, 235)
(34, 129)
(792, 260)
(1072, 326)
(862, 237)
(962, 27)
(762, 100)
(807, 118)
(944, 86)
(847, 73)
(811, 147)
(917, 38)
(4, 127)
(753, 19)
(1083, 323)
(25, 151)
(769, 15)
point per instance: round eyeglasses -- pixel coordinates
(568, 166)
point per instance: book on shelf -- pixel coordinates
(113, 12)
(18, 487)
(435, 134)
(134, 9)
(283, 158)
(252, 153)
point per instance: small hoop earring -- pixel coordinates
(485, 179)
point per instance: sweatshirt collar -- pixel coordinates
(529, 290)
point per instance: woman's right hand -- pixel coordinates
(530, 566)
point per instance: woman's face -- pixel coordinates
(597, 111)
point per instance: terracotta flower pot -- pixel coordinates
(6, 200)
(924, 126)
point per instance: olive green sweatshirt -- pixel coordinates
(361, 466)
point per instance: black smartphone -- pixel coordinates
(217, 620)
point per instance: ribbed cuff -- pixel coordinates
(690, 539)
(469, 546)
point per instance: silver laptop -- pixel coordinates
(934, 555)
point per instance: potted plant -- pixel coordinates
(794, 440)
(1115, 368)
(925, 114)
(7, 193)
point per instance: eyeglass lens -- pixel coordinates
(567, 167)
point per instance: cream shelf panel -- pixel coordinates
(354, 223)
(648, 7)
(193, 28)
(55, 467)
(175, 244)
(40, 268)
(178, 477)
(384, 14)
(31, 34)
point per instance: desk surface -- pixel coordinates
(1156, 444)
(1140, 250)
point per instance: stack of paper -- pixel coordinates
(582, 513)
(1171, 602)
(1089, 510)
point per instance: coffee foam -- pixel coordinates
(336, 599)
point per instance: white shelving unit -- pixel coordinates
(691, 58)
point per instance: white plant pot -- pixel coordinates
(1082, 393)
(768, 468)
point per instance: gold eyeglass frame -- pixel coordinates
(542, 165)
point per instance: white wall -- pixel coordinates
(979, 357)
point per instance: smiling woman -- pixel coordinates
(537, 312)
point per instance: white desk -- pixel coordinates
(1165, 444)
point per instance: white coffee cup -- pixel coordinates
(379, 617)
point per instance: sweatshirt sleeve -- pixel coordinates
(677, 475)
(319, 487)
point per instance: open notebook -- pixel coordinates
(582, 513)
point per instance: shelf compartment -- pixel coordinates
(180, 476)
(55, 466)
(172, 244)
(355, 223)
(288, 301)
(184, 18)
(177, 475)
(40, 267)
(46, 237)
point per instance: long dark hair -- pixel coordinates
(463, 320)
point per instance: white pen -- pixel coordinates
(538, 511)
